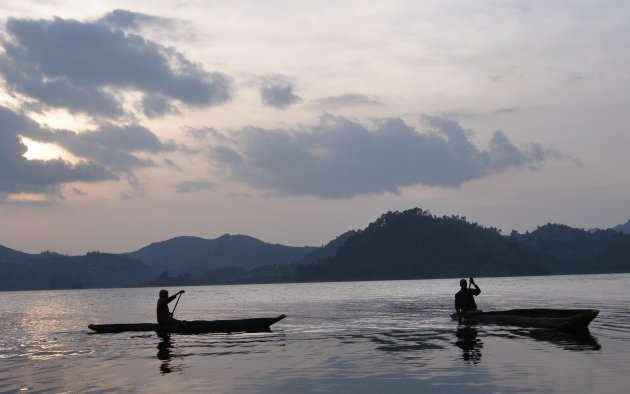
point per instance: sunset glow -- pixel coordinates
(43, 151)
(27, 198)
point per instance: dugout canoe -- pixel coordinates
(559, 319)
(193, 326)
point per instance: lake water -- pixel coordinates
(390, 336)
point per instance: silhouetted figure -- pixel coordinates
(465, 298)
(164, 316)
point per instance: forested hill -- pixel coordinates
(624, 228)
(566, 250)
(414, 244)
(10, 255)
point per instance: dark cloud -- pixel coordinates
(85, 67)
(157, 105)
(347, 100)
(340, 158)
(110, 152)
(110, 145)
(19, 175)
(278, 95)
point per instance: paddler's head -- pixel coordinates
(163, 293)
(463, 284)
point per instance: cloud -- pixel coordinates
(278, 95)
(347, 100)
(510, 110)
(78, 192)
(185, 187)
(157, 105)
(111, 152)
(203, 133)
(173, 165)
(110, 145)
(87, 67)
(154, 26)
(124, 19)
(20, 175)
(339, 158)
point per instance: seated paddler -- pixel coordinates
(465, 298)
(164, 315)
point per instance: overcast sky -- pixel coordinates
(125, 123)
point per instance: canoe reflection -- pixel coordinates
(576, 341)
(421, 346)
(468, 339)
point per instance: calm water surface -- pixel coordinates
(390, 336)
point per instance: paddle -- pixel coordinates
(461, 315)
(180, 296)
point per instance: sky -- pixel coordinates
(126, 123)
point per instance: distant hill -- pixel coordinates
(414, 244)
(329, 250)
(54, 271)
(197, 255)
(624, 228)
(270, 273)
(566, 250)
(9, 255)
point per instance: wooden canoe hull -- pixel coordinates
(559, 319)
(193, 326)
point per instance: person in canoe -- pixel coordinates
(164, 316)
(465, 298)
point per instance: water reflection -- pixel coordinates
(470, 343)
(421, 347)
(468, 339)
(164, 353)
(173, 348)
(576, 341)
(416, 347)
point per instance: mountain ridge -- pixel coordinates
(624, 228)
(240, 251)
(7, 254)
(411, 244)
